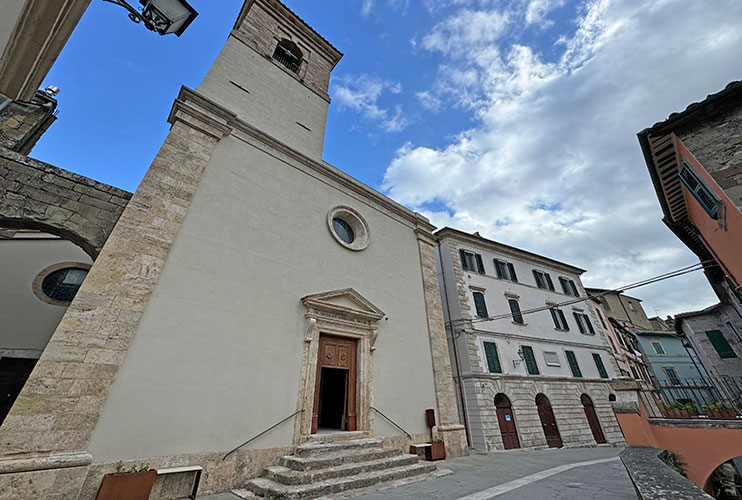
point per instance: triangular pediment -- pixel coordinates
(344, 302)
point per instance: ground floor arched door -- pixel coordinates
(506, 421)
(548, 422)
(592, 419)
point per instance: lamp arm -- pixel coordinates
(134, 15)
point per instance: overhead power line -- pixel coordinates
(672, 274)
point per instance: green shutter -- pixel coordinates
(539, 279)
(530, 360)
(720, 344)
(511, 271)
(554, 317)
(564, 320)
(549, 283)
(515, 311)
(588, 324)
(572, 360)
(599, 365)
(578, 320)
(480, 264)
(480, 305)
(464, 265)
(493, 360)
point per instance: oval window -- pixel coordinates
(343, 230)
(63, 284)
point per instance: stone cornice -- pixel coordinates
(542, 339)
(201, 113)
(539, 378)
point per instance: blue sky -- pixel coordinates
(515, 118)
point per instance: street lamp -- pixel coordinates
(162, 16)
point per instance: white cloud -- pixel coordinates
(361, 94)
(537, 10)
(553, 164)
(366, 7)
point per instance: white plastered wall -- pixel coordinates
(218, 353)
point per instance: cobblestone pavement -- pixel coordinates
(521, 475)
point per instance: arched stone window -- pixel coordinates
(288, 54)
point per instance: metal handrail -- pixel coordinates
(392, 422)
(258, 435)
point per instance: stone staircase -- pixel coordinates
(324, 466)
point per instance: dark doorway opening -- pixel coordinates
(13, 375)
(333, 398)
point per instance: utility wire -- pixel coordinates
(672, 274)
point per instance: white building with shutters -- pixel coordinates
(529, 369)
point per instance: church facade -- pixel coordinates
(247, 283)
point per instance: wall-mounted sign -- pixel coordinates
(507, 417)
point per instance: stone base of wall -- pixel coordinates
(564, 396)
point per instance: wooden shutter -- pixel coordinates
(493, 360)
(564, 320)
(599, 365)
(499, 269)
(480, 305)
(572, 360)
(578, 319)
(530, 359)
(539, 279)
(480, 264)
(563, 282)
(549, 283)
(515, 310)
(555, 318)
(464, 264)
(573, 287)
(703, 195)
(511, 271)
(720, 344)
(588, 324)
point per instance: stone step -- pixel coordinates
(333, 437)
(335, 459)
(276, 491)
(284, 475)
(317, 449)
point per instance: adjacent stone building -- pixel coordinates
(624, 347)
(247, 285)
(530, 369)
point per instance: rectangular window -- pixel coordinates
(720, 344)
(631, 306)
(602, 321)
(530, 360)
(543, 280)
(672, 375)
(515, 310)
(636, 375)
(613, 345)
(572, 360)
(583, 323)
(604, 303)
(480, 305)
(569, 287)
(493, 359)
(599, 365)
(471, 261)
(560, 322)
(578, 320)
(703, 195)
(505, 270)
(551, 358)
(658, 348)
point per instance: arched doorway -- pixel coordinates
(592, 419)
(725, 482)
(506, 421)
(548, 422)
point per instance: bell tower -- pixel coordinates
(274, 73)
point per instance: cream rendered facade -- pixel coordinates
(199, 323)
(478, 383)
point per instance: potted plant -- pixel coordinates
(134, 483)
(686, 410)
(665, 409)
(436, 450)
(719, 409)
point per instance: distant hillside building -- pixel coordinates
(531, 370)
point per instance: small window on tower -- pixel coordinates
(288, 54)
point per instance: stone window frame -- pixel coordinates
(36, 285)
(356, 221)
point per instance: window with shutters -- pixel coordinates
(515, 311)
(599, 365)
(605, 304)
(543, 280)
(703, 195)
(602, 321)
(557, 316)
(530, 360)
(671, 374)
(471, 261)
(493, 359)
(633, 371)
(505, 270)
(583, 323)
(658, 348)
(480, 305)
(720, 344)
(573, 366)
(569, 287)
(613, 345)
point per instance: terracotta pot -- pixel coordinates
(725, 414)
(436, 451)
(666, 413)
(132, 486)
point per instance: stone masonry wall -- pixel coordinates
(716, 142)
(36, 195)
